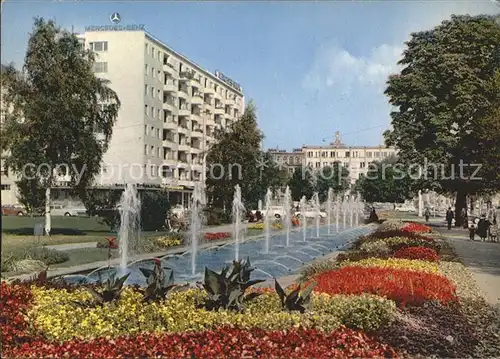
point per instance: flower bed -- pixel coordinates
(416, 228)
(396, 263)
(405, 287)
(395, 243)
(261, 226)
(180, 313)
(422, 253)
(168, 241)
(221, 343)
(216, 236)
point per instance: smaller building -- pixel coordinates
(287, 160)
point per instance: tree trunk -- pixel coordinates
(420, 204)
(460, 204)
(48, 224)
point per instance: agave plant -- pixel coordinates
(159, 280)
(111, 292)
(228, 291)
(295, 300)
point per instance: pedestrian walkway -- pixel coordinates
(482, 259)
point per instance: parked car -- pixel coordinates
(276, 211)
(405, 208)
(60, 210)
(13, 210)
(310, 213)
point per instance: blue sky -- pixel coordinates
(311, 68)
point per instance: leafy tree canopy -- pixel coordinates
(57, 117)
(301, 183)
(446, 97)
(386, 181)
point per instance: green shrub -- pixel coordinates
(23, 265)
(216, 216)
(154, 210)
(47, 255)
(319, 267)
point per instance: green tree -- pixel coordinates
(234, 159)
(31, 195)
(154, 210)
(446, 90)
(301, 183)
(271, 175)
(335, 177)
(386, 181)
(63, 115)
(102, 203)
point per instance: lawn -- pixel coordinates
(25, 225)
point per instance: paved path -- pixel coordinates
(482, 258)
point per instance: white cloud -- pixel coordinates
(338, 67)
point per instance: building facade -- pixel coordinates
(289, 160)
(170, 108)
(356, 159)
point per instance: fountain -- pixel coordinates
(357, 208)
(344, 212)
(302, 206)
(337, 213)
(288, 214)
(130, 221)
(267, 222)
(317, 211)
(351, 210)
(259, 205)
(329, 209)
(195, 224)
(238, 210)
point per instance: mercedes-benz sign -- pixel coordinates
(115, 18)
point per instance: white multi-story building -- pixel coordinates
(170, 108)
(356, 159)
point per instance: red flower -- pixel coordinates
(214, 236)
(402, 286)
(112, 242)
(422, 253)
(222, 342)
(157, 261)
(416, 228)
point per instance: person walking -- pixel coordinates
(494, 231)
(482, 227)
(427, 214)
(449, 217)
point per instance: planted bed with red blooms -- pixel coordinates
(405, 287)
(416, 228)
(221, 343)
(421, 253)
(215, 236)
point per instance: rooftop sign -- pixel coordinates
(227, 80)
(114, 28)
(115, 18)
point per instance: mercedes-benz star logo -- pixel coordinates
(115, 18)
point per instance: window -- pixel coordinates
(146, 70)
(332, 154)
(348, 154)
(99, 46)
(152, 52)
(5, 187)
(153, 112)
(158, 152)
(152, 131)
(369, 154)
(159, 97)
(146, 130)
(362, 164)
(153, 72)
(151, 109)
(318, 164)
(152, 150)
(146, 150)
(152, 91)
(165, 171)
(159, 75)
(100, 67)
(145, 109)
(158, 136)
(159, 114)
(147, 48)
(145, 89)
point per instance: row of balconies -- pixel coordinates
(189, 79)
